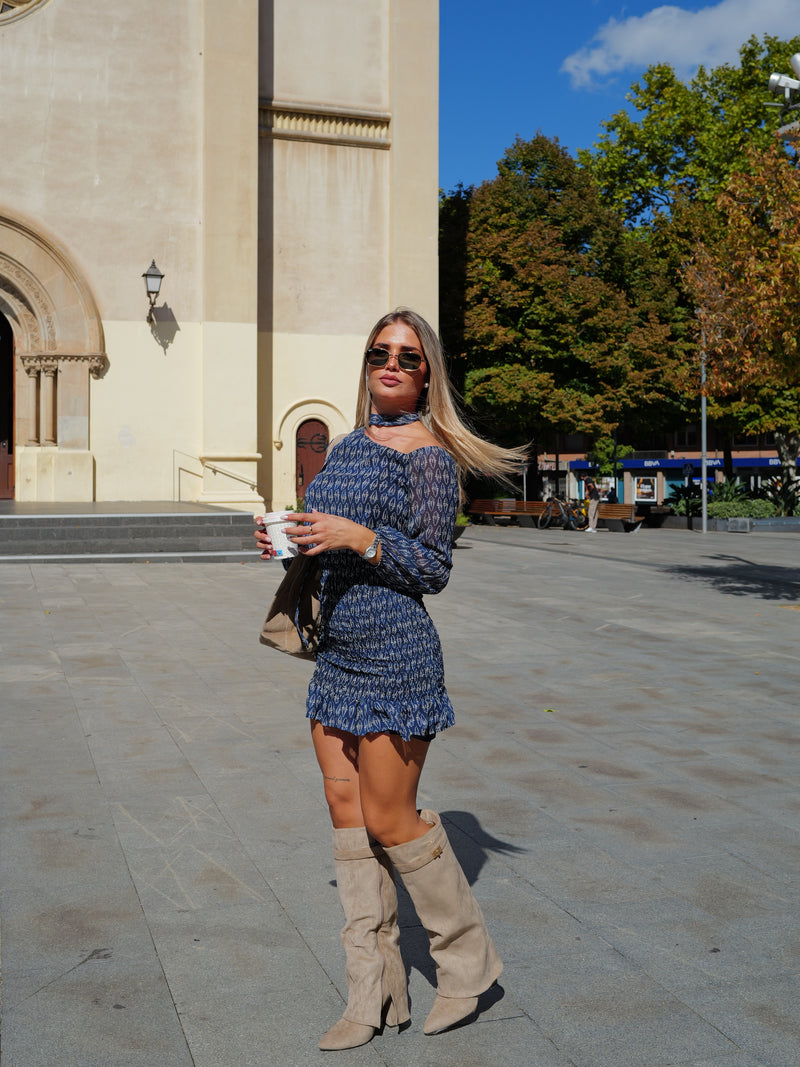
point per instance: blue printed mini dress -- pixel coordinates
(379, 665)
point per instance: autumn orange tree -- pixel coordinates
(561, 328)
(746, 283)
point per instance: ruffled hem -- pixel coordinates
(409, 718)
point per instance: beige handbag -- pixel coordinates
(292, 622)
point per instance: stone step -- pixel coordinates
(135, 557)
(213, 535)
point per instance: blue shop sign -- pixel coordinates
(673, 464)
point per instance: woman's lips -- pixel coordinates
(389, 379)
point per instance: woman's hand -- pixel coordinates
(327, 533)
(263, 538)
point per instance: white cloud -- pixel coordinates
(685, 39)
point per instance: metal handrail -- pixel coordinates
(212, 467)
(229, 474)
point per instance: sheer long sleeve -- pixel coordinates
(419, 561)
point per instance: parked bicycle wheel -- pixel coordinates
(545, 518)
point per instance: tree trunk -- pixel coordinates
(535, 483)
(727, 458)
(788, 447)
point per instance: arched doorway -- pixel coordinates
(311, 446)
(6, 410)
(58, 345)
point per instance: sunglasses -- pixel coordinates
(379, 357)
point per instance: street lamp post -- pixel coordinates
(703, 434)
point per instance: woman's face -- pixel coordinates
(393, 389)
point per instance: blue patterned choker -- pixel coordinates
(393, 420)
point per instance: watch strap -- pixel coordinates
(372, 551)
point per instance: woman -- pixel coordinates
(593, 496)
(382, 513)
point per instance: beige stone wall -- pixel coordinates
(349, 207)
(128, 125)
(414, 221)
(101, 141)
(324, 53)
(277, 160)
(230, 254)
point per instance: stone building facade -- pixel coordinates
(278, 162)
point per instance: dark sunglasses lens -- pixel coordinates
(377, 357)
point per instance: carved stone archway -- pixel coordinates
(11, 10)
(58, 344)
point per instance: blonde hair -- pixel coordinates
(438, 409)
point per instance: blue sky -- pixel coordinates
(513, 67)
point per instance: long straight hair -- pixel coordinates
(438, 407)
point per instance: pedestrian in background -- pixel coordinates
(593, 496)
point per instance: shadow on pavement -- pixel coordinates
(740, 577)
(473, 844)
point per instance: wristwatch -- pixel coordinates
(372, 551)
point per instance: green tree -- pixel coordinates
(454, 210)
(691, 135)
(663, 167)
(562, 326)
(605, 452)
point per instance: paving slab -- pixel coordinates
(621, 787)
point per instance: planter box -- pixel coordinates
(657, 515)
(679, 522)
(789, 524)
(740, 525)
(733, 525)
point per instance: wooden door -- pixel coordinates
(6, 472)
(6, 410)
(311, 445)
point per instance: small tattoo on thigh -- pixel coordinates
(332, 778)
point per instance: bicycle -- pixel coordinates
(571, 514)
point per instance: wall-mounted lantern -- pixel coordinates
(152, 283)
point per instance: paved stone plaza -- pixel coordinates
(621, 786)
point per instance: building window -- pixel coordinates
(686, 437)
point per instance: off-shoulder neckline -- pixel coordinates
(397, 452)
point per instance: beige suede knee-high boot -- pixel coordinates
(466, 960)
(376, 976)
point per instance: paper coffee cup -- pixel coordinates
(276, 523)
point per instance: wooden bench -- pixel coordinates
(619, 516)
(521, 512)
(526, 512)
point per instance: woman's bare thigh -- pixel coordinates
(389, 769)
(337, 756)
